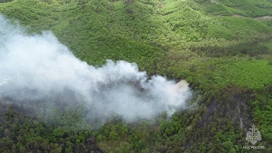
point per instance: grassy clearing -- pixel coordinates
(248, 8)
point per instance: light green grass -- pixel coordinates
(248, 8)
(146, 32)
(174, 38)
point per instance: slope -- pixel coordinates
(217, 46)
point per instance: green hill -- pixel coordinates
(221, 47)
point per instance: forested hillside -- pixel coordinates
(222, 48)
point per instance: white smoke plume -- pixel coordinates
(37, 67)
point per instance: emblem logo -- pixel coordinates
(253, 135)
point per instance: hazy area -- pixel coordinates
(39, 67)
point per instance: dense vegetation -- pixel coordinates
(219, 46)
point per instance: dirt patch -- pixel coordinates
(261, 18)
(233, 15)
(264, 18)
(237, 15)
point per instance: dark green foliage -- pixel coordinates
(4, 1)
(23, 132)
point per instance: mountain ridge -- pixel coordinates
(221, 47)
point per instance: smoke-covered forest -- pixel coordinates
(135, 76)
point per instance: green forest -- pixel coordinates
(222, 48)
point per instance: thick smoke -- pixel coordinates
(38, 67)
